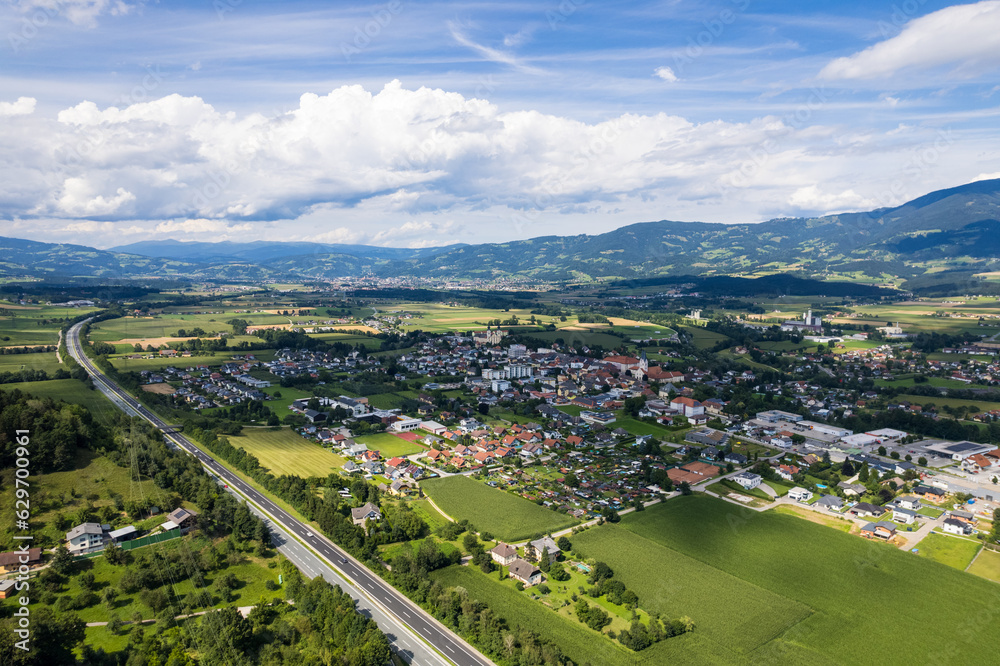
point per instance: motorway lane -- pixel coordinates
(400, 607)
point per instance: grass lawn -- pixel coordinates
(702, 338)
(981, 405)
(846, 585)
(572, 410)
(930, 511)
(389, 445)
(953, 551)
(426, 510)
(503, 514)
(588, 337)
(637, 427)
(813, 516)
(211, 359)
(284, 451)
(577, 642)
(987, 565)
(779, 487)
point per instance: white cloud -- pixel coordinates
(987, 176)
(22, 107)
(965, 37)
(812, 198)
(79, 12)
(80, 199)
(666, 73)
(200, 226)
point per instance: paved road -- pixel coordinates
(331, 560)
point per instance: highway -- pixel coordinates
(323, 557)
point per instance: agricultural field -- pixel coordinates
(590, 337)
(828, 592)
(922, 316)
(389, 445)
(283, 451)
(987, 565)
(503, 514)
(126, 364)
(953, 551)
(39, 361)
(442, 318)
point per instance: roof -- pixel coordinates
(364, 511)
(180, 515)
(84, 528)
(125, 531)
(545, 543)
(504, 550)
(523, 569)
(14, 557)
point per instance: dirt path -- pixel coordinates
(59, 344)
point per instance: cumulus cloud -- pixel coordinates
(22, 107)
(964, 37)
(409, 167)
(666, 73)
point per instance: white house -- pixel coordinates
(800, 495)
(85, 538)
(904, 516)
(525, 571)
(687, 406)
(748, 480)
(952, 526)
(405, 425)
(503, 554)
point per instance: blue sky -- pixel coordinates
(413, 123)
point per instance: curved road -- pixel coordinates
(408, 614)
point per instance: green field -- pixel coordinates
(954, 551)
(829, 594)
(42, 361)
(987, 565)
(702, 338)
(285, 452)
(503, 514)
(72, 391)
(939, 402)
(389, 445)
(590, 338)
(582, 645)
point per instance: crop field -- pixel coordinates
(285, 452)
(987, 565)
(126, 364)
(19, 331)
(503, 514)
(164, 326)
(442, 318)
(915, 317)
(952, 551)
(582, 645)
(940, 382)
(847, 585)
(41, 361)
(637, 427)
(389, 445)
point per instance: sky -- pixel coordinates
(416, 124)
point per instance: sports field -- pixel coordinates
(285, 452)
(824, 596)
(503, 514)
(389, 445)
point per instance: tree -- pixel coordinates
(881, 450)
(894, 455)
(922, 461)
(62, 561)
(685, 488)
(564, 544)
(571, 480)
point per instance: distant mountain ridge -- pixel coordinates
(956, 228)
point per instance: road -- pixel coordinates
(326, 558)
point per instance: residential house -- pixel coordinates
(800, 495)
(124, 534)
(503, 554)
(865, 510)
(183, 518)
(85, 538)
(830, 503)
(547, 546)
(852, 489)
(525, 571)
(880, 530)
(786, 472)
(735, 458)
(748, 480)
(367, 512)
(904, 516)
(11, 561)
(953, 526)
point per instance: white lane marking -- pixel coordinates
(447, 646)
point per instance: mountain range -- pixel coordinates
(951, 229)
